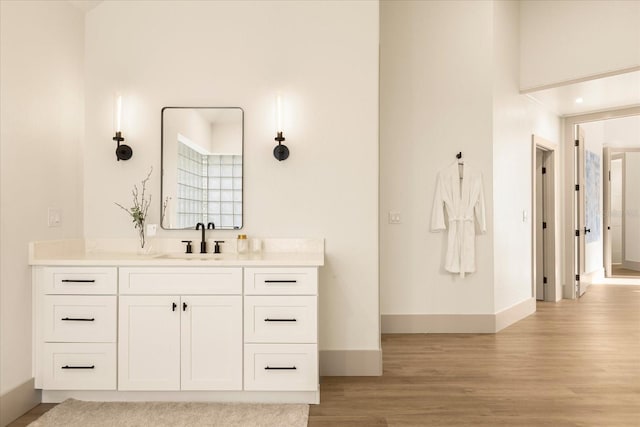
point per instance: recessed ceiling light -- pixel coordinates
(579, 100)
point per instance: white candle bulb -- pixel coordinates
(279, 114)
(118, 113)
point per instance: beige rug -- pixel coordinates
(77, 413)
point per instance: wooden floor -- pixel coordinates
(618, 271)
(572, 363)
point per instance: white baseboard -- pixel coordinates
(437, 323)
(631, 265)
(457, 323)
(515, 313)
(351, 363)
(18, 401)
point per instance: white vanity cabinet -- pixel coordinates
(178, 341)
(229, 329)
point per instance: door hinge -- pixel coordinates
(544, 280)
(576, 142)
(544, 170)
(577, 277)
(544, 224)
(577, 187)
(577, 233)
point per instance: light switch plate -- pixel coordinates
(54, 217)
(394, 217)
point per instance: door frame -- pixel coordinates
(569, 203)
(552, 290)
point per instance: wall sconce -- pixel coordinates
(281, 151)
(123, 152)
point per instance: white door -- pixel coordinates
(149, 343)
(211, 342)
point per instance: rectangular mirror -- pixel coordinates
(202, 151)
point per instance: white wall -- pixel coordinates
(432, 107)
(632, 210)
(564, 40)
(323, 57)
(622, 132)
(515, 119)
(41, 126)
(594, 141)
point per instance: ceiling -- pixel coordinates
(621, 90)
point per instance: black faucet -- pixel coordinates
(203, 243)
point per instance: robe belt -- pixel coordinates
(461, 218)
(461, 239)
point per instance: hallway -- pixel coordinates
(572, 363)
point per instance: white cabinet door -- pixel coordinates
(211, 342)
(149, 343)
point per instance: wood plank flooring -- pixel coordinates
(618, 271)
(572, 363)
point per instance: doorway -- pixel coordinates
(585, 263)
(544, 221)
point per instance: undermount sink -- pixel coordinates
(197, 257)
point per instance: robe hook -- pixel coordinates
(459, 155)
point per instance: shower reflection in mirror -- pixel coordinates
(202, 165)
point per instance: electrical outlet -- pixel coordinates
(54, 217)
(394, 218)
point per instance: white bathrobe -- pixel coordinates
(462, 199)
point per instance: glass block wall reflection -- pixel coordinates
(209, 189)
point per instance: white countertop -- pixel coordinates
(278, 252)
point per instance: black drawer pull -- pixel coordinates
(280, 368)
(78, 367)
(280, 320)
(78, 319)
(78, 281)
(281, 281)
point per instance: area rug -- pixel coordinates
(77, 413)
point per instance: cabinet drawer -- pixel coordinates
(80, 280)
(281, 367)
(280, 319)
(79, 367)
(177, 281)
(280, 281)
(71, 318)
